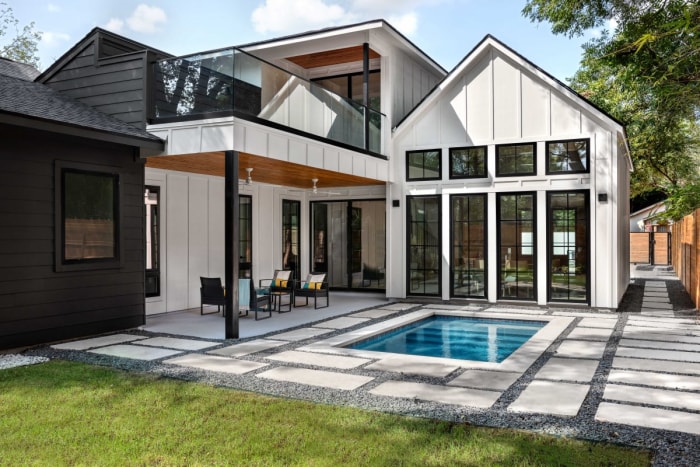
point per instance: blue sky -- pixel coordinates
(445, 29)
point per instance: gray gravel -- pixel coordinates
(669, 447)
(13, 360)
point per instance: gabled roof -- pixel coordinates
(17, 70)
(33, 104)
(491, 41)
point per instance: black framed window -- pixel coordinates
(245, 222)
(468, 162)
(291, 214)
(423, 165)
(424, 258)
(570, 156)
(468, 240)
(568, 246)
(87, 213)
(152, 208)
(517, 246)
(516, 159)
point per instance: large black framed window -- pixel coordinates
(568, 246)
(517, 246)
(424, 233)
(468, 240)
(516, 159)
(245, 222)
(87, 217)
(570, 156)
(291, 215)
(423, 165)
(468, 162)
(152, 208)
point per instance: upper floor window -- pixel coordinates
(567, 156)
(423, 165)
(516, 159)
(468, 162)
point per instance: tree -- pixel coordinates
(22, 46)
(645, 73)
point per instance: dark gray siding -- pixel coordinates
(114, 85)
(38, 304)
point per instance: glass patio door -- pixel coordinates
(291, 213)
(424, 262)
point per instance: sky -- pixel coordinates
(446, 30)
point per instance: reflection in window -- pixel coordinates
(151, 200)
(423, 245)
(468, 245)
(468, 162)
(423, 165)
(90, 221)
(567, 156)
(516, 246)
(245, 223)
(290, 236)
(515, 159)
(568, 244)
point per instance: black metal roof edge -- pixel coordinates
(526, 60)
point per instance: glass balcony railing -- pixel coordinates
(232, 82)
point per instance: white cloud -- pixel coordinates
(298, 15)
(146, 19)
(53, 8)
(52, 39)
(407, 24)
(114, 25)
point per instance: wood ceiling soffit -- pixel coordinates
(265, 170)
(331, 57)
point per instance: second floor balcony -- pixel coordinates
(233, 82)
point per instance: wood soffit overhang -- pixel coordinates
(265, 170)
(331, 57)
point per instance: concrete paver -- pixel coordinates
(435, 393)
(656, 344)
(399, 306)
(314, 359)
(656, 305)
(399, 364)
(341, 323)
(101, 341)
(176, 343)
(485, 379)
(374, 313)
(519, 311)
(652, 396)
(649, 335)
(657, 354)
(320, 378)
(590, 334)
(247, 348)
(581, 349)
(662, 380)
(216, 363)
(551, 397)
(301, 334)
(649, 417)
(568, 369)
(656, 365)
(135, 352)
(598, 323)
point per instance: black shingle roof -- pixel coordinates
(17, 70)
(30, 99)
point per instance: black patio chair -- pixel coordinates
(211, 293)
(314, 286)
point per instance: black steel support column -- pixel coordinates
(365, 89)
(232, 244)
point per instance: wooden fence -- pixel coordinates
(650, 247)
(686, 255)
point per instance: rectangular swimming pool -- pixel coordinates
(458, 337)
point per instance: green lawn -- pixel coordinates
(65, 413)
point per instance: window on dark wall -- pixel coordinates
(87, 217)
(567, 156)
(468, 162)
(423, 165)
(516, 159)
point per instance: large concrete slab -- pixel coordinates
(399, 306)
(656, 365)
(247, 348)
(443, 394)
(586, 315)
(216, 363)
(656, 305)
(635, 319)
(341, 323)
(650, 335)
(656, 354)
(656, 344)
(666, 323)
(485, 379)
(374, 314)
(581, 349)
(549, 397)
(516, 311)
(315, 359)
(644, 378)
(652, 396)
(568, 369)
(325, 379)
(135, 352)
(177, 343)
(440, 306)
(598, 323)
(591, 334)
(656, 299)
(408, 365)
(101, 341)
(300, 334)
(649, 417)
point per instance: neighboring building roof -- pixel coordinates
(17, 70)
(30, 104)
(650, 210)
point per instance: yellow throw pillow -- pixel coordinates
(281, 283)
(315, 285)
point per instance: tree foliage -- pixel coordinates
(17, 43)
(645, 73)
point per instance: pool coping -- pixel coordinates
(518, 361)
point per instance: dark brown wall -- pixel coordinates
(38, 304)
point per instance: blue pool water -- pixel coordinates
(480, 339)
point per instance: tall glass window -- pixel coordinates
(567, 241)
(152, 200)
(516, 246)
(245, 223)
(468, 239)
(291, 213)
(424, 231)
